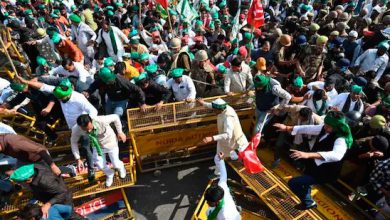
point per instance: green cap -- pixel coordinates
(235, 41)
(75, 18)
(62, 91)
(356, 89)
(222, 69)
(133, 33)
(17, 86)
(23, 173)
(135, 55)
(41, 6)
(54, 15)
(252, 63)
(142, 76)
(119, 4)
(151, 68)
(41, 61)
(106, 74)
(298, 82)
(222, 4)
(134, 7)
(177, 72)
(110, 8)
(56, 11)
(28, 12)
(261, 81)
(109, 62)
(56, 38)
(144, 56)
(248, 35)
(134, 40)
(215, 15)
(73, 7)
(211, 25)
(66, 83)
(127, 55)
(110, 13)
(199, 23)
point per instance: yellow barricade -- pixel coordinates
(172, 136)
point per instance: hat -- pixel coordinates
(243, 51)
(109, 62)
(386, 100)
(339, 126)
(64, 89)
(235, 41)
(201, 55)
(298, 82)
(301, 39)
(221, 69)
(41, 61)
(135, 55)
(356, 89)
(222, 4)
(285, 40)
(214, 15)
(28, 12)
(248, 36)
(211, 25)
(133, 33)
(141, 77)
(155, 34)
(384, 44)
(321, 40)
(54, 15)
(41, 6)
(41, 32)
(198, 38)
(177, 72)
(110, 7)
(106, 75)
(17, 87)
(261, 63)
(242, 16)
(119, 4)
(258, 32)
(56, 38)
(334, 33)
(127, 55)
(343, 62)
(380, 142)
(360, 81)
(262, 81)
(353, 34)
(154, 47)
(134, 40)
(175, 43)
(314, 27)
(338, 41)
(305, 7)
(377, 122)
(75, 18)
(144, 56)
(219, 104)
(151, 68)
(23, 173)
(110, 13)
(342, 25)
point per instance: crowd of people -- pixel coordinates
(317, 69)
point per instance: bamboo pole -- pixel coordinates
(8, 56)
(169, 21)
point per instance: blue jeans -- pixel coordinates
(116, 107)
(260, 116)
(301, 186)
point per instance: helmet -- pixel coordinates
(201, 55)
(175, 43)
(301, 39)
(285, 40)
(353, 118)
(343, 16)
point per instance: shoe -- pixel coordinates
(122, 173)
(275, 163)
(109, 180)
(302, 206)
(91, 175)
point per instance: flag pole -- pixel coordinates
(250, 42)
(140, 12)
(169, 20)
(8, 56)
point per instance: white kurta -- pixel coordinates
(185, 89)
(79, 71)
(83, 34)
(120, 37)
(370, 61)
(340, 99)
(331, 94)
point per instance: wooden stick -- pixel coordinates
(8, 56)
(169, 21)
(250, 42)
(139, 12)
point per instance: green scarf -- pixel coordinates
(113, 41)
(263, 81)
(340, 127)
(93, 137)
(214, 213)
(321, 110)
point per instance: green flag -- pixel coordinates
(162, 11)
(186, 11)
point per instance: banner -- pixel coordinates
(99, 203)
(186, 11)
(256, 14)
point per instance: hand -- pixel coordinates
(251, 93)
(45, 111)
(221, 155)
(189, 100)
(21, 79)
(45, 210)
(296, 155)
(11, 111)
(143, 108)
(307, 96)
(158, 106)
(280, 127)
(122, 137)
(377, 154)
(55, 169)
(200, 101)
(365, 155)
(207, 140)
(334, 108)
(80, 165)
(229, 94)
(85, 93)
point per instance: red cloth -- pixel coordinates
(256, 14)
(163, 3)
(249, 156)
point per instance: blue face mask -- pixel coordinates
(343, 69)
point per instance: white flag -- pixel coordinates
(236, 22)
(186, 11)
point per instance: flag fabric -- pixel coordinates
(163, 3)
(256, 14)
(186, 11)
(236, 23)
(160, 9)
(249, 156)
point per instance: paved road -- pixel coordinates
(173, 195)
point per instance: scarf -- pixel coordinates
(93, 137)
(347, 105)
(320, 111)
(214, 213)
(340, 127)
(113, 40)
(263, 81)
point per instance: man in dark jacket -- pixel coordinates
(26, 150)
(155, 94)
(119, 90)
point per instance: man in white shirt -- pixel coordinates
(328, 86)
(239, 78)
(5, 90)
(103, 140)
(71, 68)
(374, 60)
(84, 36)
(218, 197)
(230, 137)
(324, 160)
(182, 86)
(349, 101)
(73, 104)
(112, 37)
